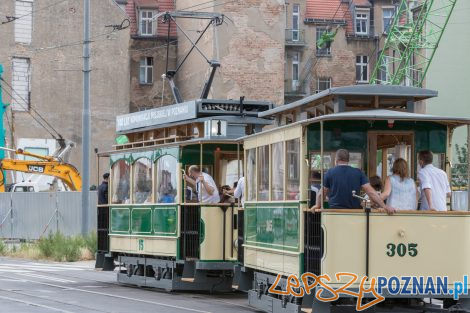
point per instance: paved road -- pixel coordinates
(37, 287)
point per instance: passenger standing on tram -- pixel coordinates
(434, 184)
(400, 190)
(340, 182)
(205, 185)
(103, 190)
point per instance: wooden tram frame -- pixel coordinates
(376, 105)
(213, 266)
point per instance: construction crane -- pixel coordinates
(46, 165)
(411, 43)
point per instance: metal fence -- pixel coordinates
(30, 215)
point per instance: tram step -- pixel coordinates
(188, 279)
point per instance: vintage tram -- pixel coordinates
(376, 124)
(154, 225)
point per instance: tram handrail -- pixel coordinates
(407, 212)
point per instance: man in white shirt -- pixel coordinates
(434, 184)
(239, 191)
(205, 185)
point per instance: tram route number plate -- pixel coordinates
(402, 249)
(141, 244)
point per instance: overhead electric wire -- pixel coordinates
(34, 118)
(13, 18)
(32, 108)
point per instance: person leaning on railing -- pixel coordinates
(340, 182)
(205, 185)
(400, 190)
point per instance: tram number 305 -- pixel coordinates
(401, 249)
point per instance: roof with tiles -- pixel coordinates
(133, 6)
(333, 11)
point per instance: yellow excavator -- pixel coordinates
(46, 165)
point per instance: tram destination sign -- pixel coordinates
(167, 114)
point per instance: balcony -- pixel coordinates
(295, 37)
(293, 88)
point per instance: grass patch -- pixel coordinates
(55, 247)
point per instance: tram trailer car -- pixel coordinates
(376, 124)
(154, 226)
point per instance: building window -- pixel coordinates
(146, 70)
(326, 50)
(295, 71)
(362, 69)
(295, 22)
(24, 25)
(21, 84)
(146, 23)
(383, 69)
(362, 23)
(323, 83)
(388, 14)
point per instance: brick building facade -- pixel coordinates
(42, 57)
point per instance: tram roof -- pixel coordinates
(385, 95)
(190, 112)
(376, 115)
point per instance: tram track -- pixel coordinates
(106, 284)
(109, 295)
(81, 307)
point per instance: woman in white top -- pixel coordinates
(400, 190)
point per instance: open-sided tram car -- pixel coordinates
(376, 124)
(154, 226)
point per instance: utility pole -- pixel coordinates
(86, 118)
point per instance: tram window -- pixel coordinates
(293, 169)
(229, 170)
(355, 160)
(120, 182)
(166, 179)
(251, 174)
(277, 174)
(143, 181)
(263, 173)
(438, 160)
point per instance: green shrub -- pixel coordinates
(91, 242)
(3, 248)
(46, 245)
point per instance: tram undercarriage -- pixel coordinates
(175, 275)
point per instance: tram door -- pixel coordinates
(385, 147)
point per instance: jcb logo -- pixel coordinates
(35, 169)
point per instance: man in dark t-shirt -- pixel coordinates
(341, 180)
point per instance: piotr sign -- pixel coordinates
(157, 116)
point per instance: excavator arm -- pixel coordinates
(66, 172)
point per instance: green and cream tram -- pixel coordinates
(376, 124)
(154, 226)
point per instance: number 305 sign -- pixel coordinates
(402, 249)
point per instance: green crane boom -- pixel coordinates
(411, 43)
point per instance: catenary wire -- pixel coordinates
(33, 11)
(32, 108)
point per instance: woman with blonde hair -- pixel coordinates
(400, 190)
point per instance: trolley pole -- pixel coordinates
(86, 118)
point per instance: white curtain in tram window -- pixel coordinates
(277, 175)
(251, 174)
(143, 181)
(293, 168)
(166, 179)
(120, 182)
(263, 173)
